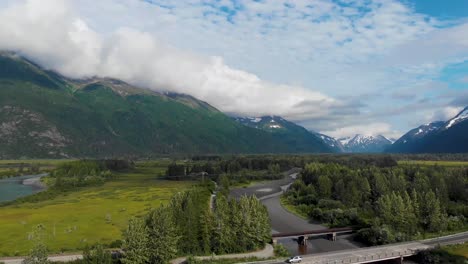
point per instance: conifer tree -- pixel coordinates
(136, 242)
(163, 239)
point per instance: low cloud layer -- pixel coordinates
(335, 69)
(52, 35)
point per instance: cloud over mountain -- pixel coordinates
(50, 33)
(330, 65)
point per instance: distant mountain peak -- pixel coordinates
(365, 143)
(437, 137)
(288, 131)
(462, 116)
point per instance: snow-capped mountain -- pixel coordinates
(442, 137)
(331, 142)
(344, 140)
(406, 141)
(289, 132)
(264, 122)
(461, 117)
(365, 143)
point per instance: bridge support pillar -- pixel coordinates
(274, 241)
(332, 237)
(302, 240)
(400, 260)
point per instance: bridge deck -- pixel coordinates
(314, 232)
(379, 253)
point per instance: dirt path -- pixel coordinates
(63, 258)
(265, 253)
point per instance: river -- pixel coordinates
(20, 186)
(282, 221)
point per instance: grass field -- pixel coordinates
(460, 250)
(89, 215)
(292, 208)
(434, 162)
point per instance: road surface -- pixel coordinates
(372, 254)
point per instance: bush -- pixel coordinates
(455, 223)
(281, 251)
(329, 204)
(116, 244)
(96, 255)
(303, 209)
(438, 256)
(376, 235)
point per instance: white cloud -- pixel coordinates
(444, 114)
(371, 129)
(64, 42)
(288, 58)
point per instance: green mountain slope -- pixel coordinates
(288, 132)
(45, 115)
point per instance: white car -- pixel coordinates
(295, 259)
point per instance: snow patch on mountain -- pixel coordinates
(345, 140)
(463, 115)
(365, 143)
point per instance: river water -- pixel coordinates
(282, 221)
(20, 186)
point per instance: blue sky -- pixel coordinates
(451, 9)
(336, 66)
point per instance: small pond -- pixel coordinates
(20, 186)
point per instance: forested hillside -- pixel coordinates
(45, 115)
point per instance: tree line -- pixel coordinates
(389, 204)
(86, 172)
(188, 226)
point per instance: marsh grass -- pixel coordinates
(88, 215)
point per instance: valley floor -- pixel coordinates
(89, 215)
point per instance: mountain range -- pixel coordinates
(295, 134)
(365, 143)
(449, 136)
(289, 132)
(46, 115)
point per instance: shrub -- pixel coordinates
(376, 235)
(281, 251)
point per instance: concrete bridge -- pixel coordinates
(395, 252)
(303, 236)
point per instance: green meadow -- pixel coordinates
(89, 215)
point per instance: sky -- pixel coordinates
(339, 67)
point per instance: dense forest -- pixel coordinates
(244, 169)
(389, 204)
(189, 225)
